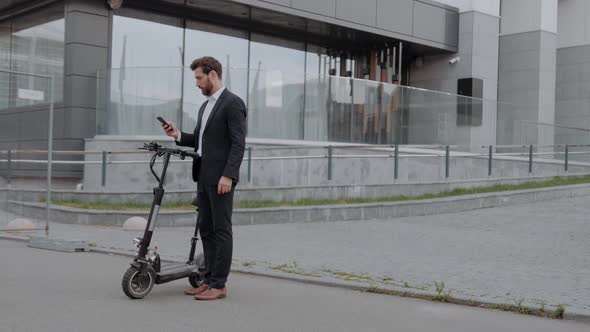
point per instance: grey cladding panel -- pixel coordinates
(322, 7)
(80, 91)
(80, 123)
(363, 12)
(517, 61)
(395, 15)
(88, 6)
(573, 55)
(8, 128)
(87, 29)
(85, 59)
(451, 26)
(280, 2)
(34, 124)
(520, 42)
(435, 24)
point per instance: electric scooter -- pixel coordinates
(146, 268)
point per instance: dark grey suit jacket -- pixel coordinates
(224, 140)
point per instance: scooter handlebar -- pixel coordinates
(155, 147)
(189, 154)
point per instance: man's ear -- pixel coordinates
(214, 74)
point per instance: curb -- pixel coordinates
(318, 213)
(421, 295)
(281, 193)
(14, 238)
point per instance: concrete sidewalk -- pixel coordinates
(533, 255)
(82, 292)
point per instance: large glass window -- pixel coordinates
(293, 89)
(145, 81)
(32, 44)
(277, 86)
(228, 46)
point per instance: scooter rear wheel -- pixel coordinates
(138, 283)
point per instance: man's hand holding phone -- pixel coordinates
(169, 128)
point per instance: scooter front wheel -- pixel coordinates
(138, 283)
(196, 278)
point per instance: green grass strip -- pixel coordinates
(557, 181)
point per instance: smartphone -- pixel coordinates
(162, 120)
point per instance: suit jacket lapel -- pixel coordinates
(200, 116)
(199, 120)
(220, 101)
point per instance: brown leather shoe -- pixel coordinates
(196, 291)
(212, 294)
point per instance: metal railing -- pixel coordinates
(528, 152)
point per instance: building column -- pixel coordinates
(526, 85)
(572, 96)
(86, 52)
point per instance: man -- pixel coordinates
(219, 138)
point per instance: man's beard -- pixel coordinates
(206, 91)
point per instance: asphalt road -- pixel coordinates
(43, 290)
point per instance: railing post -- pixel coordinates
(530, 158)
(249, 164)
(490, 161)
(330, 148)
(447, 157)
(9, 167)
(104, 169)
(396, 162)
(566, 157)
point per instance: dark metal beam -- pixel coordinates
(23, 7)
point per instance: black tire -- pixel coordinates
(196, 278)
(138, 284)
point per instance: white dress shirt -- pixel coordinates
(211, 101)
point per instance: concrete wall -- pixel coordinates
(271, 194)
(310, 171)
(527, 66)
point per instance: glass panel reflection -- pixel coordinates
(277, 78)
(147, 82)
(228, 46)
(32, 43)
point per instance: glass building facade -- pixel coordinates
(301, 78)
(32, 44)
(290, 84)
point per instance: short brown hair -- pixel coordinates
(207, 64)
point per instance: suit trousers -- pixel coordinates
(215, 227)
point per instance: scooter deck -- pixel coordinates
(175, 271)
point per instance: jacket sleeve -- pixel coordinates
(237, 134)
(186, 139)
